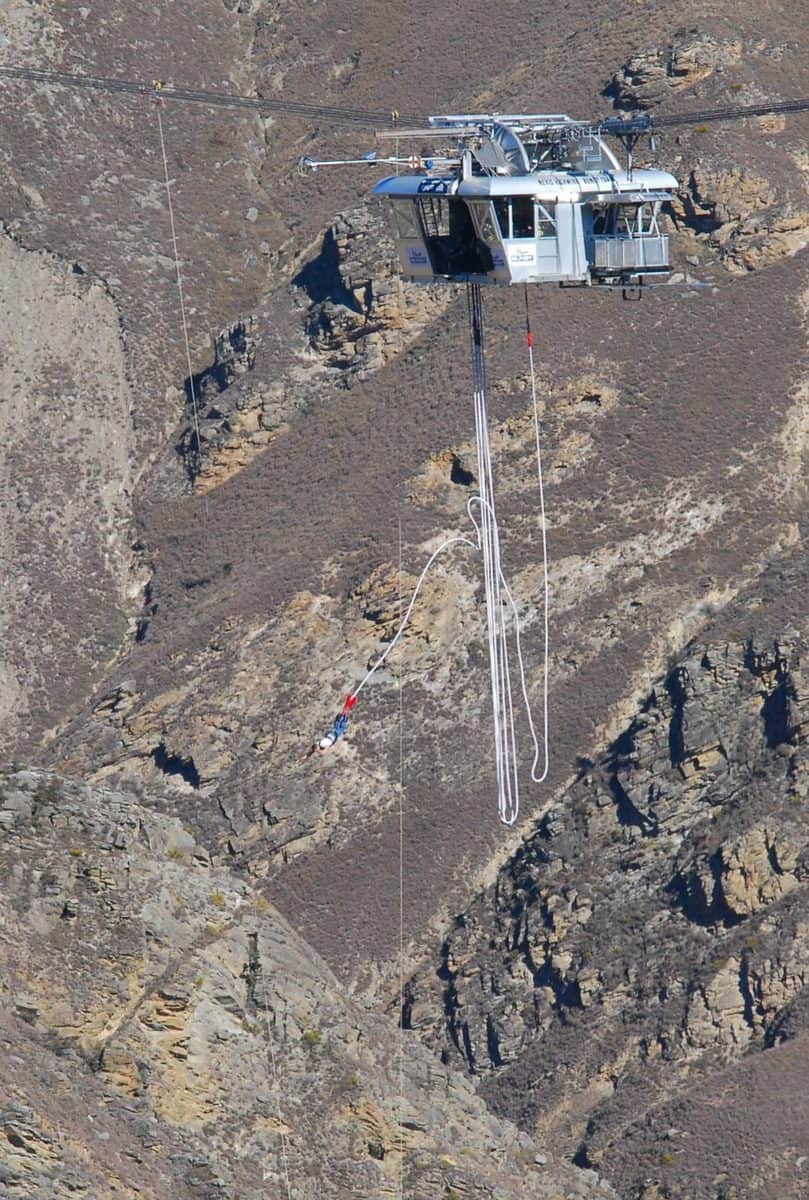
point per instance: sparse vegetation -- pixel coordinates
(49, 791)
(670, 493)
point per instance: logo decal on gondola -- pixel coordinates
(435, 186)
(416, 257)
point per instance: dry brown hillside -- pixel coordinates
(610, 999)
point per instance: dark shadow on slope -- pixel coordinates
(676, 682)
(459, 474)
(175, 765)
(775, 714)
(234, 354)
(321, 278)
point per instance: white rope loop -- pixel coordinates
(545, 582)
(506, 766)
(500, 603)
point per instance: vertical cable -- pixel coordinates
(158, 105)
(529, 339)
(401, 898)
(277, 1090)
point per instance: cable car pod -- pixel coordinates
(529, 200)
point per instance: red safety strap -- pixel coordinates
(349, 704)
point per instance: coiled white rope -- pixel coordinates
(500, 603)
(505, 748)
(498, 591)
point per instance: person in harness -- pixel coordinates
(334, 732)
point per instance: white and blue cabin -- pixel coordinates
(528, 200)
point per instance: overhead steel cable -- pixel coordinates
(312, 112)
(632, 123)
(731, 113)
(355, 116)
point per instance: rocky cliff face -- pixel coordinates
(67, 528)
(652, 74)
(738, 217)
(356, 314)
(200, 935)
(744, 219)
(166, 1033)
(653, 928)
(361, 312)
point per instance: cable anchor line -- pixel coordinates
(326, 113)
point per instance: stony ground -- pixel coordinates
(617, 986)
(167, 1033)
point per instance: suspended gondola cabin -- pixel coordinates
(539, 199)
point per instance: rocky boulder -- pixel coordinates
(652, 74)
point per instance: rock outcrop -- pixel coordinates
(355, 315)
(738, 216)
(360, 312)
(231, 425)
(744, 219)
(655, 921)
(654, 73)
(167, 1033)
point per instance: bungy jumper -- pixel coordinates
(334, 732)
